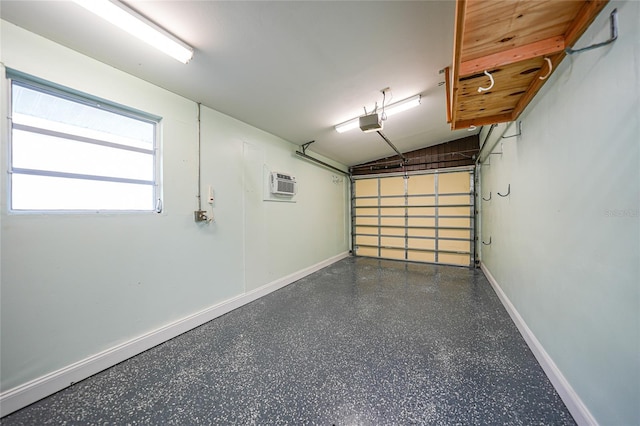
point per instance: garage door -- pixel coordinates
(420, 217)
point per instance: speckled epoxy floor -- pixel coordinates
(361, 342)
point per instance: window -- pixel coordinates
(72, 152)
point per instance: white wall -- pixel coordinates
(74, 286)
(566, 243)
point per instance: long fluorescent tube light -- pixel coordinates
(348, 125)
(135, 24)
(389, 110)
(402, 105)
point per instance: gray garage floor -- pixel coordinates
(360, 342)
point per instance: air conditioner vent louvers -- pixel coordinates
(283, 184)
(286, 187)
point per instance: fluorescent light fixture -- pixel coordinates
(389, 110)
(135, 24)
(402, 105)
(348, 125)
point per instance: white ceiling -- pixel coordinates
(291, 68)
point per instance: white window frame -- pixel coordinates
(34, 83)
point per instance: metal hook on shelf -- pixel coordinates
(508, 192)
(544, 77)
(484, 89)
(487, 199)
(487, 244)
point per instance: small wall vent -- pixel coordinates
(283, 184)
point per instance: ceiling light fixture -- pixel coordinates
(389, 110)
(348, 125)
(139, 26)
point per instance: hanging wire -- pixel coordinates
(383, 116)
(199, 195)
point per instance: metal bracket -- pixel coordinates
(501, 149)
(614, 36)
(305, 146)
(519, 132)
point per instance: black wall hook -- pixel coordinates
(508, 192)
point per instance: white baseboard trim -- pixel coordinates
(576, 407)
(30, 392)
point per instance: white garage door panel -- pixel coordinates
(421, 217)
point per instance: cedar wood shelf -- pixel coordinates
(510, 39)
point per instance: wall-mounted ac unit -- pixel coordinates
(283, 184)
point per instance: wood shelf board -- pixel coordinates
(495, 26)
(511, 82)
(507, 57)
(510, 39)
